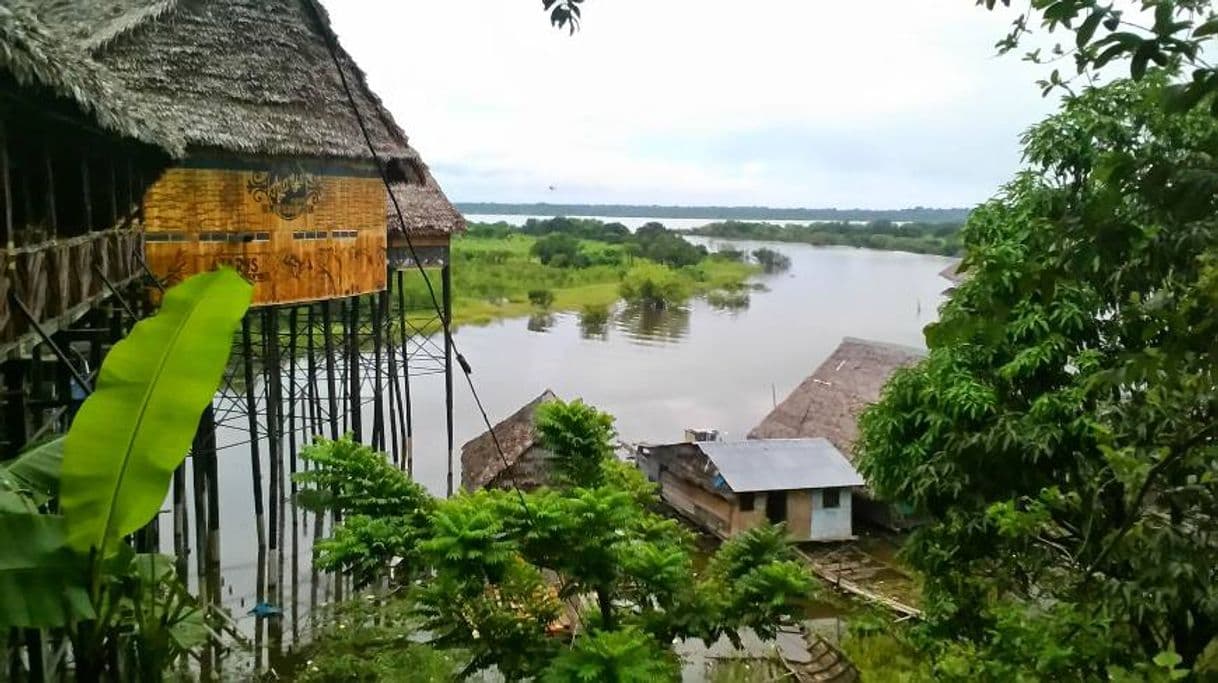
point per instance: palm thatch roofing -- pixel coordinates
(480, 461)
(827, 404)
(952, 272)
(36, 57)
(251, 77)
(425, 207)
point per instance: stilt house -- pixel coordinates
(524, 462)
(828, 403)
(77, 150)
(278, 179)
(732, 486)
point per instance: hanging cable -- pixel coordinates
(332, 46)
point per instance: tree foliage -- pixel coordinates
(1154, 35)
(1061, 432)
(582, 579)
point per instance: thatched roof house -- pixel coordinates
(523, 462)
(278, 179)
(829, 401)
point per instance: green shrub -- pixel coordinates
(541, 297)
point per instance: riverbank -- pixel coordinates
(942, 239)
(493, 278)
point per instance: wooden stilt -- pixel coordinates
(274, 430)
(408, 422)
(344, 317)
(391, 354)
(446, 285)
(251, 410)
(378, 385)
(331, 389)
(353, 374)
(293, 331)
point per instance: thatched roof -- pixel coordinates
(248, 76)
(426, 209)
(480, 461)
(829, 401)
(251, 77)
(36, 56)
(952, 272)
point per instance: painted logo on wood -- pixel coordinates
(288, 191)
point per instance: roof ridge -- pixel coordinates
(128, 22)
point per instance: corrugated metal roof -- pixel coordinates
(780, 464)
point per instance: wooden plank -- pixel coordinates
(836, 580)
(298, 236)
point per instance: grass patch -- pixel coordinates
(492, 278)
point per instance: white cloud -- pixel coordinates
(884, 102)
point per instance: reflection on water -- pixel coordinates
(594, 323)
(540, 322)
(650, 325)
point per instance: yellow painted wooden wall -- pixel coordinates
(298, 232)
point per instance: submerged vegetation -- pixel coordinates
(582, 581)
(573, 265)
(919, 238)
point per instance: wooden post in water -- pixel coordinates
(404, 405)
(274, 429)
(251, 412)
(331, 390)
(353, 357)
(391, 353)
(378, 387)
(446, 282)
(293, 330)
(313, 400)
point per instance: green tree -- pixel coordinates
(558, 249)
(1061, 432)
(653, 285)
(582, 580)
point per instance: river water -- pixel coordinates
(658, 373)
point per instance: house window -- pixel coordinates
(831, 498)
(746, 501)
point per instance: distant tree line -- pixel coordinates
(559, 242)
(917, 213)
(918, 237)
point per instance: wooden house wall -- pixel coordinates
(713, 512)
(299, 233)
(531, 470)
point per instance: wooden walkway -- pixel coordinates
(847, 569)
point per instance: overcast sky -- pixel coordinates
(809, 103)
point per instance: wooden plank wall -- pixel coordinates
(330, 246)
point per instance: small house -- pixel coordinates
(828, 403)
(732, 486)
(524, 463)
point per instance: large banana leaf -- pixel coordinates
(136, 428)
(34, 473)
(42, 582)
